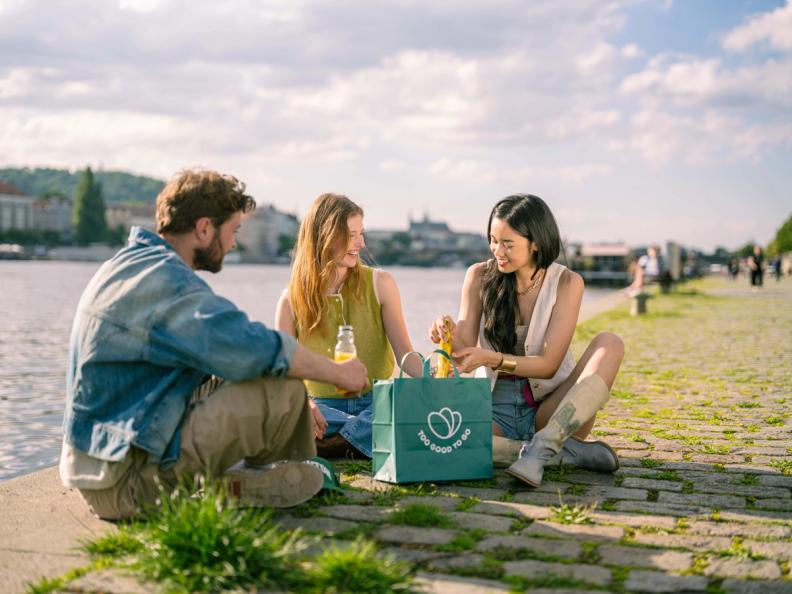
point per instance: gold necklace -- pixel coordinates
(535, 283)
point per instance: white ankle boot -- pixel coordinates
(579, 405)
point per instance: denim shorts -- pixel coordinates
(510, 412)
(351, 417)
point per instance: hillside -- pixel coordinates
(117, 186)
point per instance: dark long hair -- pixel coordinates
(531, 218)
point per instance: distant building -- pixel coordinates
(267, 234)
(53, 213)
(601, 262)
(16, 209)
(436, 235)
(131, 214)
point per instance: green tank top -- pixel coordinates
(364, 314)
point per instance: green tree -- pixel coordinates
(783, 238)
(88, 216)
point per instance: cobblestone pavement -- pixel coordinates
(700, 419)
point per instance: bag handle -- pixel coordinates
(427, 361)
(404, 358)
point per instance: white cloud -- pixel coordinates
(631, 51)
(487, 172)
(773, 28)
(391, 165)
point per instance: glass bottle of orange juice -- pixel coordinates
(345, 347)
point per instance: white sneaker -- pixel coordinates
(281, 484)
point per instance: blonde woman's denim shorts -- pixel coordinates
(511, 412)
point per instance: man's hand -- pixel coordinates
(319, 422)
(352, 376)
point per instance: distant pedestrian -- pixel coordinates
(755, 263)
(777, 268)
(734, 268)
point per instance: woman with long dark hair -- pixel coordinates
(517, 316)
(329, 288)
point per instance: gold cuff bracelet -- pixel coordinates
(507, 365)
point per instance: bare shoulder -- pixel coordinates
(384, 280)
(476, 271)
(570, 281)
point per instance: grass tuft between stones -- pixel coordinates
(418, 514)
(209, 544)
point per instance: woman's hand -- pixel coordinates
(319, 422)
(471, 358)
(439, 327)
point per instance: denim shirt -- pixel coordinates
(147, 332)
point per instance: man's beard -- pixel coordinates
(210, 258)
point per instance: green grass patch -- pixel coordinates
(649, 463)
(571, 514)
(774, 420)
(784, 466)
(463, 541)
(356, 568)
(467, 503)
(747, 479)
(418, 514)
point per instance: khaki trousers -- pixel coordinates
(262, 420)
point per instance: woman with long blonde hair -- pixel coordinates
(330, 287)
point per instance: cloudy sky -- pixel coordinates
(636, 120)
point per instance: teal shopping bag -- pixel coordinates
(428, 429)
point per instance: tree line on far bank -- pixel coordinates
(88, 213)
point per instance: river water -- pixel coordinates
(37, 303)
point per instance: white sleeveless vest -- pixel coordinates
(534, 341)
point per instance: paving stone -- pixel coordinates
(529, 568)
(603, 493)
(745, 490)
(717, 458)
(772, 550)
(431, 583)
(719, 501)
(413, 535)
(634, 520)
(443, 503)
(411, 555)
(742, 568)
(764, 516)
(776, 480)
(729, 529)
(654, 507)
(541, 546)
(545, 487)
(565, 591)
(755, 587)
(648, 558)
(364, 513)
(369, 484)
(774, 504)
(359, 497)
(111, 581)
(329, 526)
(476, 521)
(534, 498)
(655, 582)
(510, 508)
(581, 477)
(458, 561)
(580, 531)
(654, 484)
(479, 493)
(685, 541)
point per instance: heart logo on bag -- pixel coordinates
(444, 423)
